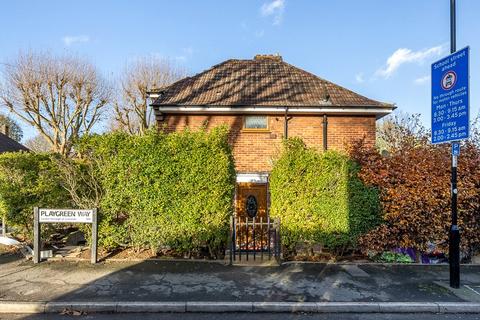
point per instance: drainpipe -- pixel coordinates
(285, 128)
(325, 125)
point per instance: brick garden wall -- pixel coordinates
(253, 151)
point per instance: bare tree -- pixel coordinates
(38, 144)
(14, 130)
(132, 113)
(400, 128)
(62, 97)
(80, 179)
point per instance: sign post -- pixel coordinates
(450, 123)
(94, 249)
(64, 216)
(36, 236)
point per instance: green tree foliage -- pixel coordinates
(163, 190)
(28, 180)
(319, 198)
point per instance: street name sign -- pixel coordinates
(65, 216)
(44, 215)
(450, 97)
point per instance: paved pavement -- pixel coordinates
(21, 280)
(247, 316)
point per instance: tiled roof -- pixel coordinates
(263, 81)
(9, 145)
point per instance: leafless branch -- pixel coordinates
(132, 113)
(62, 97)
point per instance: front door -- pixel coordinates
(251, 201)
(251, 222)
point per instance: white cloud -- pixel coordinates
(274, 8)
(359, 78)
(422, 80)
(404, 55)
(69, 40)
(186, 54)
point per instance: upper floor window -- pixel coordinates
(255, 122)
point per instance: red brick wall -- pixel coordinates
(253, 151)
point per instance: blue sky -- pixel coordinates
(378, 48)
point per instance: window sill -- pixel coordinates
(256, 130)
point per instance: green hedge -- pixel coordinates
(164, 190)
(28, 180)
(320, 199)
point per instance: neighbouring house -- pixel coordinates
(7, 144)
(264, 100)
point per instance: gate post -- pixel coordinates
(278, 249)
(232, 243)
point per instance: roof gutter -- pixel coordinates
(350, 110)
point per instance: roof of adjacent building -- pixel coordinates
(7, 144)
(264, 81)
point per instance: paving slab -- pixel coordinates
(354, 270)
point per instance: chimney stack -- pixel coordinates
(6, 130)
(274, 57)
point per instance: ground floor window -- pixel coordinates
(255, 123)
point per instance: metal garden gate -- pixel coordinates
(254, 238)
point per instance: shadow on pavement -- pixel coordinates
(204, 281)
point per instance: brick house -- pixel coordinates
(264, 100)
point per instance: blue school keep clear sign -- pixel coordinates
(450, 97)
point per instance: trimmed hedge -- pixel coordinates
(28, 180)
(320, 199)
(164, 190)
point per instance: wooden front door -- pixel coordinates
(251, 221)
(251, 200)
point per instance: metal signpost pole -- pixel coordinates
(94, 249)
(36, 236)
(454, 236)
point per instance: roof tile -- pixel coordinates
(263, 81)
(9, 145)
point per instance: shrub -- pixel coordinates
(28, 180)
(414, 184)
(319, 198)
(164, 190)
(390, 257)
